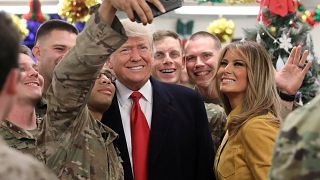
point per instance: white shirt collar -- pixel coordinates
(123, 93)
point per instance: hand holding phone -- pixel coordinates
(169, 5)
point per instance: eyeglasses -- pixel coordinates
(108, 74)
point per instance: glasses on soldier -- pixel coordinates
(108, 74)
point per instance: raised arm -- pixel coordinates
(290, 77)
(74, 76)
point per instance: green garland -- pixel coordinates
(270, 37)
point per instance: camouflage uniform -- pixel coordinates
(73, 144)
(41, 109)
(17, 137)
(217, 123)
(217, 120)
(16, 165)
(297, 150)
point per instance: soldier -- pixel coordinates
(73, 142)
(296, 152)
(20, 125)
(167, 65)
(201, 56)
(54, 39)
(14, 164)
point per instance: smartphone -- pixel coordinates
(169, 5)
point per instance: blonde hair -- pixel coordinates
(134, 29)
(261, 94)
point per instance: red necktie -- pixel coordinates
(139, 138)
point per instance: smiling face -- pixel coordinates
(201, 60)
(102, 92)
(131, 63)
(167, 63)
(51, 49)
(233, 75)
(31, 82)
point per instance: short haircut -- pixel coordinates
(161, 34)
(9, 46)
(25, 50)
(54, 24)
(134, 29)
(200, 34)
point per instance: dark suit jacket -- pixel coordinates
(180, 147)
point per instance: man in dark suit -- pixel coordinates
(174, 141)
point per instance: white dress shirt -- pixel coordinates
(125, 104)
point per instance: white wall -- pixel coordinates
(202, 22)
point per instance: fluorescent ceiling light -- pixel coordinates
(18, 9)
(219, 10)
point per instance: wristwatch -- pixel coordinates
(286, 97)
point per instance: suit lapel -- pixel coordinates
(161, 110)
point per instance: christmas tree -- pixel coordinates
(280, 28)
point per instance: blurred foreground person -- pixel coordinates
(20, 126)
(14, 164)
(296, 152)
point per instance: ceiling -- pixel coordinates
(307, 3)
(218, 9)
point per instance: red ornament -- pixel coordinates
(296, 3)
(312, 12)
(294, 25)
(310, 21)
(35, 12)
(279, 7)
(184, 42)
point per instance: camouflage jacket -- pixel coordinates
(71, 142)
(217, 120)
(296, 153)
(41, 109)
(17, 137)
(217, 123)
(16, 165)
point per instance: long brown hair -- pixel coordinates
(261, 94)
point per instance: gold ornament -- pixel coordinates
(75, 10)
(22, 26)
(307, 13)
(273, 29)
(304, 18)
(222, 28)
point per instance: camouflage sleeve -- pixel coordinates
(16, 165)
(285, 111)
(217, 123)
(296, 152)
(74, 76)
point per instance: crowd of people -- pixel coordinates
(121, 102)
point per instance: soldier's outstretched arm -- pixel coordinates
(75, 74)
